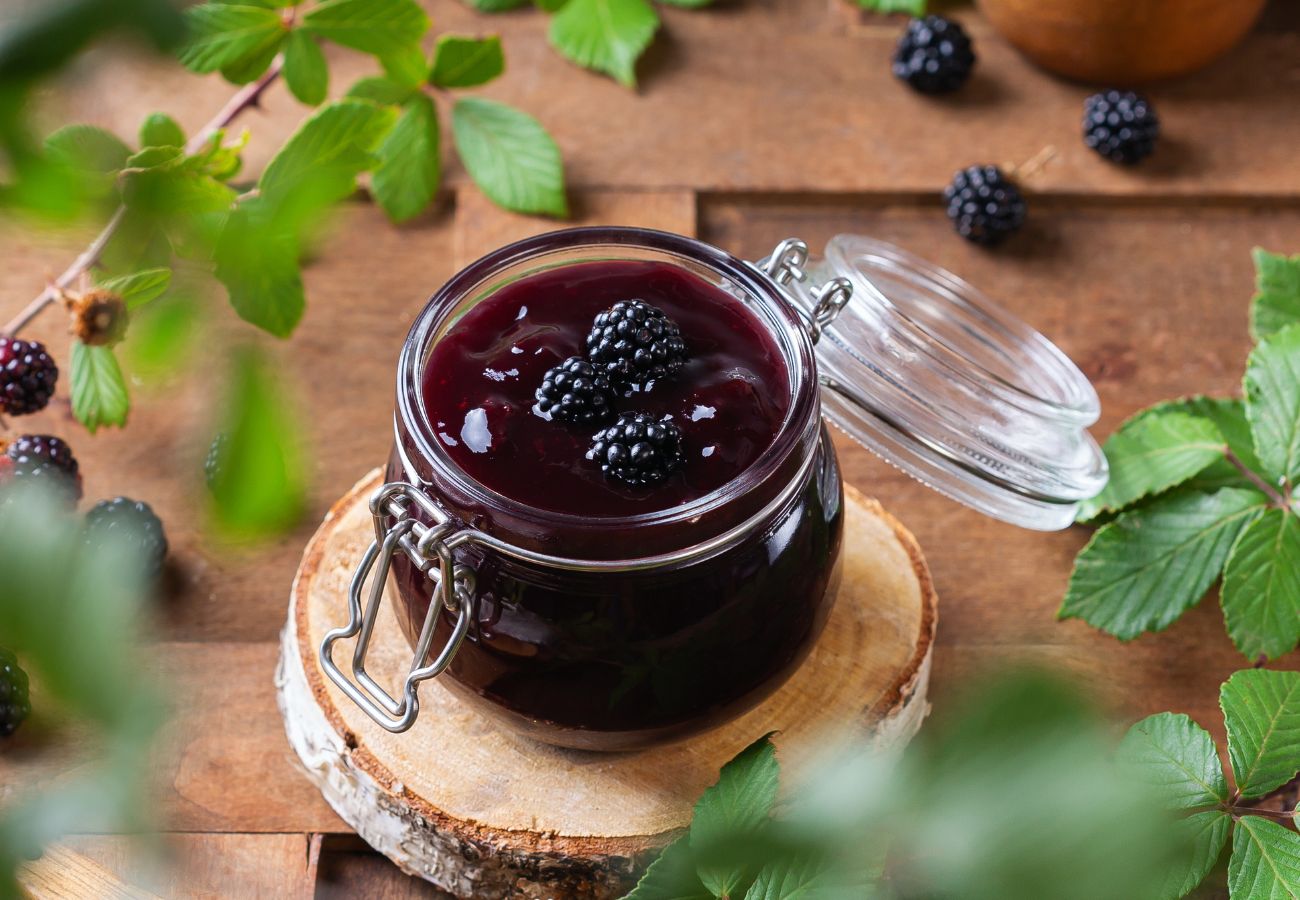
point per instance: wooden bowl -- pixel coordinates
(1122, 42)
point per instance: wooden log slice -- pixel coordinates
(482, 812)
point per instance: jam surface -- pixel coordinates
(729, 400)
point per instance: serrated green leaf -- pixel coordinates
(139, 288)
(249, 68)
(1261, 709)
(173, 193)
(99, 394)
(802, 878)
(261, 488)
(156, 158)
(466, 61)
(1265, 862)
(1276, 303)
(381, 27)
(605, 35)
(1145, 569)
(88, 149)
(1174, 755)
(381, 90)
(410, 162)
(911, 7)
(257, 261)
(406, 67)
(1229, 416)
(1261, 586)
(305, 70)
(739, 803)
(671, 877)
(1152, 454)
(161, 130)
(510, 156)
(224, 34)
(1203, 835)
(493, 6)
(1273, 403)
(327, 152)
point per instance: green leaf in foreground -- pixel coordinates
(911, 7)
(671, 877)
(466, 61)
(223, 35)
(510, 156)
(261, 488)
(493, 6)
(88, 149)
(1261, 586)
(137, 289)
(379, 89)
(323, 157)
(606, 35)
(1265, 861)
(1276, 303)
(1203, 836)
(1273, 403)
(1175, 756)
(1145, 569)
(305, 70)
(257, 261)
(410, 163)
(801, 878)
(99, 394)
(1261, 709)
(738, 804)
(161, 130)
(381, 27)
(1229, 416)
(1153, 453)
(689, 4)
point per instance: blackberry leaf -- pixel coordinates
(1261, 586)
(161, 130)
(223, 35)
(1276, 303)
(305, 70)
(460, 62)
(410, 165)
(1265, 861)
(140, 288)
(739, 802)
(380, 27)
(1261, 709)
(605, 35)
(510, 156)
(1273, 403)
(1203, 837)
(99, 395)
(1176, 756)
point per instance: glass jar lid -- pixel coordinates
(932, 376)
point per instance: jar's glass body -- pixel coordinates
(635, 654)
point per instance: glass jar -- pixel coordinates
(614, 633)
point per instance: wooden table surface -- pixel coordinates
(755, 121)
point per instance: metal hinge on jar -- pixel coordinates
(785, 265)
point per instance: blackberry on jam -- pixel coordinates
(934, 55)
(634, 344)
(985, 206)
(15, 705)
(574, 391)
(136, 522)
(47, 458)
(27, 376)
(638, 449)
(1120, 125)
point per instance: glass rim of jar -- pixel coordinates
(762, 296)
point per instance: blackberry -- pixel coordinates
(48, 458)
(638, 449)
(1120, 125)
(27, 376)
(634, 344)
(15, 705)
(985, 206)
(575, 392)
(934, 55)
(134, 520)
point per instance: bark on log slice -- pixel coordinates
(484, 813)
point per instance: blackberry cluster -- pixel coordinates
(634, 344)
(934, 55)
(638, 449)
(574, 391)
(47, 458)
(15, 705)
(136, 522)
(27, 376)
(1120, 125)
(985, 206)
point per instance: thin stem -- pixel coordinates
(246, 97)
(1271, 492)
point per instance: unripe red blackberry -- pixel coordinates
(27, 376)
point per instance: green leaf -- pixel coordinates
(88, 149)
(381, 27)
(1265, 862)
(1276, 303)
(1177, 757)
(225, 34)
(161, 130)
(1261, 586)
(911, 7)
(1142, 571)
(305, 70)
(406, 67)
(802, 878)
(466, 61)
(494, 6)
(381, 90)
(410, 162)
(510, 156)
(139, 288)
(252, 67)
(1151, 454)
(671, 877)
(261, 488)
(1229, 416)
(688, 4)
(737, 805)
(1273, 402)
(1261, 709)
(327, 151)
(550, 6)
(98, 390)
(605, 35)
(157, 158)
(257, 261)
(1203, 836)
(161, 338)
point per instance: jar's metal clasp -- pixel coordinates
(785, 265)
(429, 548)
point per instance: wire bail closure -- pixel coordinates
(786, 264)
(429, 548)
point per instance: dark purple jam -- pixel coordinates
(729, 400)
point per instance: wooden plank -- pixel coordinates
(64, 874)
(796, 96)
(349, 868)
